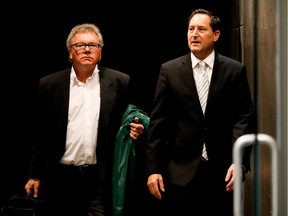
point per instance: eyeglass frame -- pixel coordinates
(92, 46)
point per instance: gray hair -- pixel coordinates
(85, 27)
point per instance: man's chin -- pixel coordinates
(195, 50)
(195, 47)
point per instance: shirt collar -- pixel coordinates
(73, 76)
(209, 60)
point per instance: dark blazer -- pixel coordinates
(50, 137)
(178, 127)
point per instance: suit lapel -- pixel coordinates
(216, 79)
(65, 91)
(105, 93)
(107, 97)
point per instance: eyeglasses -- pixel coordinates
(82, 46)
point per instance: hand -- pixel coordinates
(136, 129)
(33, 184)
(154, 183)
(230, 177)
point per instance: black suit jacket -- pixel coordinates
(178, 127)
(50, 137)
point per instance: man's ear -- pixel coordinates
(216, 35)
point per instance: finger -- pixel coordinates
(133, 126)
(154, 190)
(35, 192)
(229, 186)
(136, 119)
(133, 136)
(140, 128)
(161, 185)
(27, 189)
(228, 175)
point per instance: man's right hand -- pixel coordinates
(32, 185)
(154, 183)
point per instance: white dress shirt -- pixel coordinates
(83, 117)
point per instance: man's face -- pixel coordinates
(200, 36)
(85, 50)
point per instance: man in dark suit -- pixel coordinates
(80, 112)
(189, 150)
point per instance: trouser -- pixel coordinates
(74, 191)
(204, 195)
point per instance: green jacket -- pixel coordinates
(124, 157)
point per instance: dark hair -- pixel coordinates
(215, 22)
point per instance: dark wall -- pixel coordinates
(138, 37)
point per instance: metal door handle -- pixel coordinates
(242, 142)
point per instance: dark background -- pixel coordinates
(138, 37)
